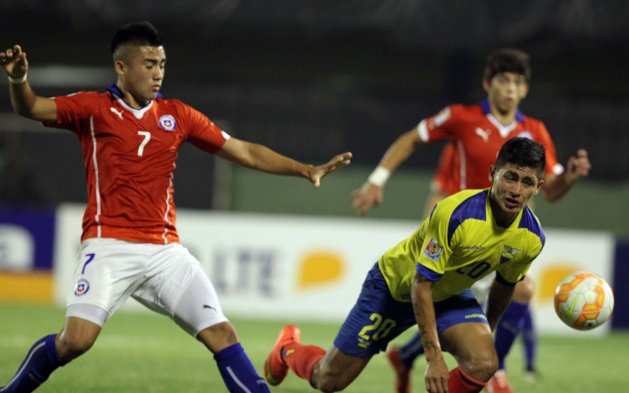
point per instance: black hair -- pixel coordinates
(140, 33)
(507, 60)
(522, 152)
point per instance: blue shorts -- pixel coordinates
(377, 318)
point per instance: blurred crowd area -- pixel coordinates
(314, 78)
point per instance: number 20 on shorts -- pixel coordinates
(379, 329)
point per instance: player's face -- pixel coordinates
(513, 187)
(144, 72)
(505, 91)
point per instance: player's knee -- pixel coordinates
(524, 291)
(481, 367)
(73, 346)
(329, 380)
(218, 337)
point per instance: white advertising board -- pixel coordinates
(291, 267)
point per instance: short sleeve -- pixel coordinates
(440, 126)
(74, 109)
(552, 164)
(435, 249)
(203, 133)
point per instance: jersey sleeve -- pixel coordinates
(436, 248)
(552, 164)
(203, 133)
(440, 126)
(74, 109)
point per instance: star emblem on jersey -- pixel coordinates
(484, 134)
(167, 122)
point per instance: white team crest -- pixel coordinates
(167, 122)
(525, 134)
(484, 134)
(433, 250)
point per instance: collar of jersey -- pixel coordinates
(138, 113)
(484, 104)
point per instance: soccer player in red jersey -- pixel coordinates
(476, 133)
(130, 137)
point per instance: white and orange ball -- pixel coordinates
(584, 300)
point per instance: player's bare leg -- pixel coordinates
(472, 346)
(77, 337)
(218, 337)
(336, 370)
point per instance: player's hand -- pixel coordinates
(436, 377)
(578, 166)
(366, 197)
(14, 62)
(317, 173)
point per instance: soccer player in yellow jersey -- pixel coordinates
(425, 280)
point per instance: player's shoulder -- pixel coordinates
(171, 103)
(460, 109)
(532, 122)
(463, 205)
(452, 212)
(465, 112)
(86, 94)
(530, 223)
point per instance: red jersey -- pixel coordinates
(129, 157)
(477, 137)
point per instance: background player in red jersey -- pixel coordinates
(476, 133)
(130, 247)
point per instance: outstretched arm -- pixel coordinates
(436, 376)
(261, 158)
(25, 102)
(371, 192)
(556, 187)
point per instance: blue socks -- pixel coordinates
(507, 330)
(40, 361)
(238, 372)
(411, 350)
(529, 339)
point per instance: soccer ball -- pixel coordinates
(584, 301)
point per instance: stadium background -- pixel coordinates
(313, 78)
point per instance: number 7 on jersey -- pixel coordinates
(145, 141)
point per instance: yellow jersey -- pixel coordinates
(459, 244)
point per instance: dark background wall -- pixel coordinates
(313, 78)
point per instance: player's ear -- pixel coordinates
(120, 67)
(486, 86)
(539, 186)
(492, 172)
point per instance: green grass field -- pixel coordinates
(144, 352)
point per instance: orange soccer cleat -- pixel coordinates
(275, 368)
(402, 372)
(499, 383)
